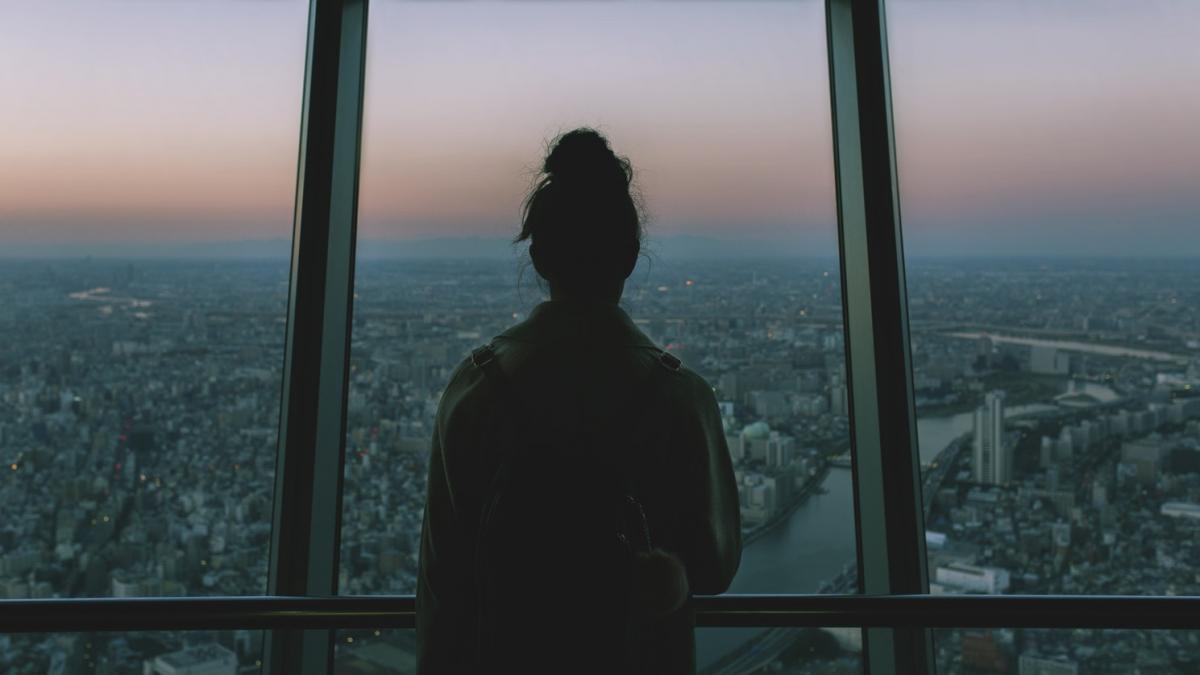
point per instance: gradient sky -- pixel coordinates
(1022, 127)
(722, 107)
(133, 120)
(1061, 128)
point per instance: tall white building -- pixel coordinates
(992, 458)
(781, 448)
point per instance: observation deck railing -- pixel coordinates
(398, 611)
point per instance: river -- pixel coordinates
(810, 547)
(817, 540)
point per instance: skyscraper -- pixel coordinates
(992, 460)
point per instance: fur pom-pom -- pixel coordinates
(660, 584)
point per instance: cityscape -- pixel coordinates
(1058, 406)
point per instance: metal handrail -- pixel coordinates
(398, 611)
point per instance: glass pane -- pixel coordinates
(723, 109)
(1048, 163)
(1079, 651)
(237, 652)
(797, 651)
(146, 183)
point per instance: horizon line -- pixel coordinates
(115, 257)
(479, 247)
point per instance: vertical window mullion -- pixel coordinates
(887, 489)
(307, 505)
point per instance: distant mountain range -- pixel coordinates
(679, 246)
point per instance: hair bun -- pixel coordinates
(583, 157)
(581, 218)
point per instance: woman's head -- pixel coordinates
(583, 226)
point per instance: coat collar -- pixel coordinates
(581, 321)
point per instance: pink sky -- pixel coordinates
(722, 107)
(1020, 125)
(1048, 127)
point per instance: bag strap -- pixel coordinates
(484, 358)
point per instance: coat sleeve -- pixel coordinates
(709, 514)
(446, 602)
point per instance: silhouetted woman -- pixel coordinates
(580, 487)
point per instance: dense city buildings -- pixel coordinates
(1099, 362)
(139, 408)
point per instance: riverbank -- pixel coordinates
(799, 547)
(811, 486)
(1106, 348)
(1019, 388)
(807, 549)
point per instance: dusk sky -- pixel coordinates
(1022, 127)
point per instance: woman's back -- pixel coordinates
(585, 380)
(601, 405)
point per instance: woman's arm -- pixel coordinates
(445, 605)
(446, 601)
(710, 516)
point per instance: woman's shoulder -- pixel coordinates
(465, 393)
(683, 393)
(480, 377)
(698, 399)
(681, 379)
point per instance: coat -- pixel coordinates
(574, 364)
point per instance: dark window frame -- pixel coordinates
(306, 525)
